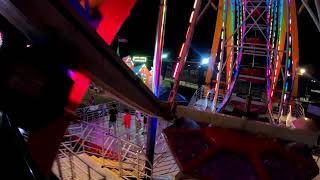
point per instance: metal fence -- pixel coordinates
(115, 154)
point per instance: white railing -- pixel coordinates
(96, 141)
(202, 100)
(299, 111)
(164, 163)
(199, 94)
(69, 166)
(90, 113)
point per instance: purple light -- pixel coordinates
(70, 73)
(1, 39)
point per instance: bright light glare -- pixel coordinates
(302, 71)
(205, 61)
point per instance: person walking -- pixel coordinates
(113, 114)
(127, 123)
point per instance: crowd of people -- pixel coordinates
(140, 121)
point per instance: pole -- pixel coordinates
(184, 50)
(284, 80)
(118, 47)
(220, 69)
(153, 121)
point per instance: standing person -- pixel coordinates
(127, 122)
(113, 113)
(138, 121)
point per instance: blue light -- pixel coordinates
(205, 61)
(286, 89)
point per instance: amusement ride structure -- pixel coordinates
(255, 42)
(250, 37)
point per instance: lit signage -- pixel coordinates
(141, 59)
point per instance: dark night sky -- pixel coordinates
(140, 30)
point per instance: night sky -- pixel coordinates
(140, 30)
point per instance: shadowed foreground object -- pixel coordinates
(215, 152)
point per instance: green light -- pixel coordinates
(164, 56)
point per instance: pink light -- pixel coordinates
(187, 32)
(1, 39)
(78, 90)
(182, 47)
(175, 70)
(191, 17)
(195, 4)
(290, 39)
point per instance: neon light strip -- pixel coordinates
(242, 29)
(195, 4)
(175, 70)
(270, 11)
(191, 17)
(181, 50)
(279, 35)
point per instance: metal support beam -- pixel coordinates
(221, 63)
(151, 139)
(214, 6)
(185, 50)
(203, 11)
(285, 70)
(152, 123)
(314, 18)
(302, 7)
(249, 15)
(317, 4)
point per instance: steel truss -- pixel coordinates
(251, 29)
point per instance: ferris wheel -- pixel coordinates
(251, 37)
